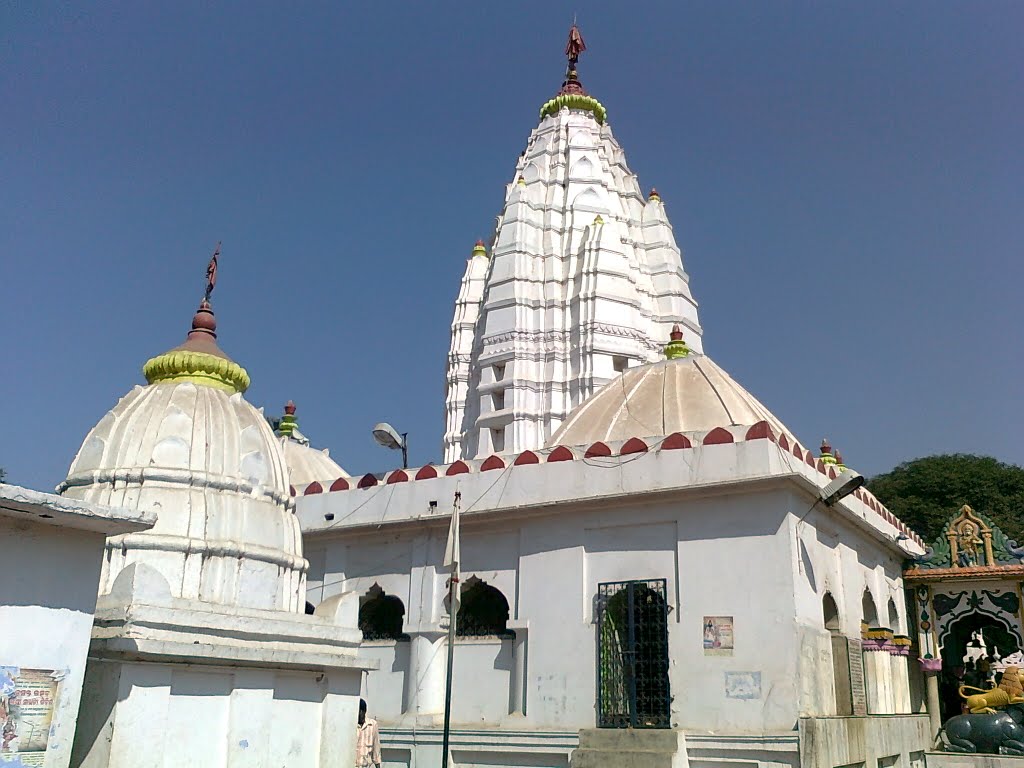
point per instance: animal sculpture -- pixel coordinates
(1000, 734)
(985, 702)
(1008, 692)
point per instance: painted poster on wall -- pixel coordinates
(27, 699)
(718, 636)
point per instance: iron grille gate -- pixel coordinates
(632, 653)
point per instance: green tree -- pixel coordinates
(925, 493)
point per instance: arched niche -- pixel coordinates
(381, 615)
(869, 613)
(483, 611)
(842, 683)
(830, 613)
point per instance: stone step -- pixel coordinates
(607, 758)
(630, 739)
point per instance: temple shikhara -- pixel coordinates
(648, 566)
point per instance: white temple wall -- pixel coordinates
(50, 584)
(549, 568)
(147, 715)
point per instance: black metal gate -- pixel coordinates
(632, 655)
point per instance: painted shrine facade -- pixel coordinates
(968, 604)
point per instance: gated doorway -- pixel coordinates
(632, 655)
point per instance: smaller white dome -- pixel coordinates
(306, 464)
(686, 394)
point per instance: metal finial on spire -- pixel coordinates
(211, 272)
(575, 46)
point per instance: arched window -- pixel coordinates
(381, 615)
(483, 611)
(894, 616)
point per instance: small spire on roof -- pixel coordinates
(826, 452)
(840, 467)
(288, 421)
(479, 249)
(676, 348)
(654, 194)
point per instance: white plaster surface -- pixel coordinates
(53, 548)
(583, 274)
(728, 526)
(208, 463)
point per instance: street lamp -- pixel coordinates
(847, 482)
(388, 437)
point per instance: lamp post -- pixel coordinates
(388, 437)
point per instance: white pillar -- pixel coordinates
(429, 659)
(517, 685)
(899, 659)
(878, 671)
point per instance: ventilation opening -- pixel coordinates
(499, 372)
(620, 363)
(498, 400)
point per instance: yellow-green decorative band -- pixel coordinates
(575, 101)
(199, 368)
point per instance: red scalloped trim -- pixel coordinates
(458, 468)
(561, 453)
(718, 436)
(760, 431)
(633, 445)
(676, 441)
(526, 457)
(492, 462)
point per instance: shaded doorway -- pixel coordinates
(632, 655)
(970, 645)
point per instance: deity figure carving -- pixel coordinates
(968, 542)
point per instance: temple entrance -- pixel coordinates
(973, 648)
(632, 655)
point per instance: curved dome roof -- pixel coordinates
(686, 394)
(306, 464)
(191, 448)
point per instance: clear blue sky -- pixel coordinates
(845, 180)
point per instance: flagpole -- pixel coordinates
(453, 585)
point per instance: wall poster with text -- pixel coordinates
(718, 637)
(27, 698)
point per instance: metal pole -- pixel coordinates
(452, 586)
(405, 450)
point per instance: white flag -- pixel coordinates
(452, 553)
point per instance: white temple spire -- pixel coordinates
(584, 279)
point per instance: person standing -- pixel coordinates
(367, 740)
